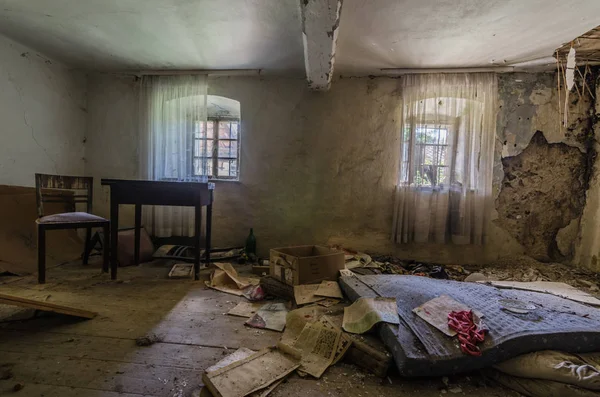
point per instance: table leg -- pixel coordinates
(197, 232)
(138, 225)
(114, 237)
(208, 232)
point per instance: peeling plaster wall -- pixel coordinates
(587, 250)
(43, 114)
(541, 181)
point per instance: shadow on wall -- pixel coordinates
(18, 236)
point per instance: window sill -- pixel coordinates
(224, 181)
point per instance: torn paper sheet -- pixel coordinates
(245, 309)
(270, 316)
(346, 273)
(436, 311)
(328, 302)
(251, 374)
(345, 340)
(237, 355)
(363, 314)
(316, 346)
(304, 294)
(295, 321)
(329, 289)
(225, 279)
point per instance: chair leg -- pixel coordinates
(106, 247)
(88, 245)
(41, 255)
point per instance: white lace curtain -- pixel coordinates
(172, 121)
(444, 190)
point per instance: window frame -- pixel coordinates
(411, 145)
(215, 150)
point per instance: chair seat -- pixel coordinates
(70, 217)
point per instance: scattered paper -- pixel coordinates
(295, 321)
(346, 273)
(237, 355)
(245, 309)
(363, 314)
(316, 346)
(251, 374)
(225, 279)
(436, 311)
(182, 270)
(270, 316)
(328, 302)
(330, 289)
(304, 294)
(345, 340)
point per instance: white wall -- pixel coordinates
(42, 116)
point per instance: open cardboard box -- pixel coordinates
(305, 264)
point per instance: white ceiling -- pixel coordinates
(160, 34)
(379, 34)
(267, 34)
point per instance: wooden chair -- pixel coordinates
(48, 190)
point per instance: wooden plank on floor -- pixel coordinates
(45, 306)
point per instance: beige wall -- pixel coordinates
(315, 167)
(42, 109)
(320, 167)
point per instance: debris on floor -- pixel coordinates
(434, 326)
(253, 373)
(245, 309)
(306, 293)
(270, 316)
(226, 279)
(182, 270)
(148, 340)
(329, 289)
(277, 288)
(237, 355)
(315, 347)
(364, 313)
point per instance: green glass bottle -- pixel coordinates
(250, 247)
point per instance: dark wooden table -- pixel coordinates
(138, 193)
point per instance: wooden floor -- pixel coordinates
(53, 355)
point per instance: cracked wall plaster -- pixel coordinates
(541, 181)
(43, 113)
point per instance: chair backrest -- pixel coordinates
(47, 185)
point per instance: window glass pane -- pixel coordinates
(199, 129)
(200, 145)
(224, 132)
(198, 166)
(228, 149)
(235, 126)
(227, 167)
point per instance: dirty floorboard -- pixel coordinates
(54, 355)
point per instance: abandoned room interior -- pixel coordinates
(299, 198)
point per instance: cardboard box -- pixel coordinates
(305, 264)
